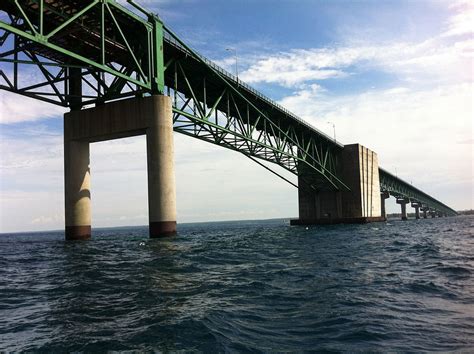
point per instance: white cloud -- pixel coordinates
(422, 127)
(298, 66)
(41, 153)
(15, 108)
(445, 58)
(212, 184)
(37, 209)
(461, 22)
(452, 60)
(48, 221)
(424, 135)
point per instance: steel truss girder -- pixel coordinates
(401, 189)
(94, 35)
(231, 121)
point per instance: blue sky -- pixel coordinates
(395, 76)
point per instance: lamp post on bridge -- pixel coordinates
(236, 62)
(334, 129)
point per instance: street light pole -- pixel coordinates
(334, 129)
(236, 62)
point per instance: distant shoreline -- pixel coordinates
(392, 216)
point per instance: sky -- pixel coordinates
(394, 76)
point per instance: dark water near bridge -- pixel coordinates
(242, 286)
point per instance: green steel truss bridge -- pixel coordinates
(78, 53)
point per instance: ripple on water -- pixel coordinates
(242, 286)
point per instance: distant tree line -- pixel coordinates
(466, 212)
(460, 212)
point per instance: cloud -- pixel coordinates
(209, 185)
(20, 155)
(15, 108)
(407, 60)
(296, 66)
(49, 220)
(415, 123)
(31, 210)
(460, 23)
(415, 132)
(444, 58)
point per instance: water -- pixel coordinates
(242, 286)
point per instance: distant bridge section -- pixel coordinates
(80, 54)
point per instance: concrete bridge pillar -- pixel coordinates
(360, 172)
(403, 203)
(77, 190)
(161, 177)
(383, 196)
(425, 212)
(151, 116)
(416, 205)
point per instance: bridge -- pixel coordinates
(122, 72)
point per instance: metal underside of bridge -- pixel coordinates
(77, 53)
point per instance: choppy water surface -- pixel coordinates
(242, 286)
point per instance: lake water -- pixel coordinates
(242, 286)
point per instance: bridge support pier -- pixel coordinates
(359, 171)
(403, 203)
(161, 177)
(383, 197)
(425, 212)
(77, 190)
(151, 116)
(416, 205)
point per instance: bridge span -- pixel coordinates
(122, 72)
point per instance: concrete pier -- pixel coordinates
(403, 204)
(416, 205)
(151, 116)
(360, 172)
(161, 176)
(77, 190)
(383, 197)
(425, 212)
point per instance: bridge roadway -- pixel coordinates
(91, 53)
